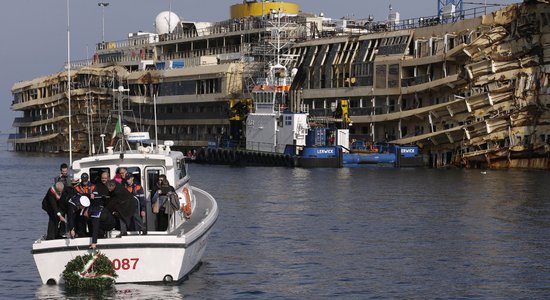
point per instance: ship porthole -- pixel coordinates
(168, 279)
(51, 281)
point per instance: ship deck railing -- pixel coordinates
(416, 80)
(234, 26)
(34, 118)
(419, 22)
(24, 136)
(192, 57)
(219, 28)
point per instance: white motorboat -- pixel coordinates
(158, 256)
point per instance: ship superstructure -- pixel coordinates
(467, 86)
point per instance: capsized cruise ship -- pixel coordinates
(468, 86)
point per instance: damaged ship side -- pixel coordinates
(471, 93)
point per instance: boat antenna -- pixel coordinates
(155, 111)
(121, 91)
(88, 115)
(102, 136)
(69, 83)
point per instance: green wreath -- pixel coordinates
(89, 272)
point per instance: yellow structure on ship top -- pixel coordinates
(257, 8)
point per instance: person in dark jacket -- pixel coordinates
(52, 205)
(77, 214)
(102, 192)
(163, 188)
(100, 199)
(63, 175)
(137, 191)
(102, 221)
(122, 204)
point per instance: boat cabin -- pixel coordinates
(146, 166)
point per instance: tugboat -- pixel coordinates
(158, 256)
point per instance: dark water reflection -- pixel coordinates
(347, 233)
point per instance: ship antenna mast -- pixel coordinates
(69, 83)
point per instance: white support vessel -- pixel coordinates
(156, 257)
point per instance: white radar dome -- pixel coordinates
(166, 22)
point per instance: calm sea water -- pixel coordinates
(326, 233)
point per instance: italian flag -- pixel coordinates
(118, 129)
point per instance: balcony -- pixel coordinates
(412, 81)
(19, 138)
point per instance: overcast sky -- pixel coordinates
(34, 41)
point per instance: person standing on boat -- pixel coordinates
(85, 187)
(102, 192)
(63, 175)
(137, 221)
(77, 213)
(102, 221)
(51, 204)
(161, 195)
(122, 204)
(120, 176)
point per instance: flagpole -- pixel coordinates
(120, 91)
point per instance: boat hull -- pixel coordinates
(155, 257)
(320, 157)
(135, 259)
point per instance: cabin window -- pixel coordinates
(404, 131)
(95, 174)
(381, 76)
(181, 168)
(136, 172)
(288, 120)
(393, 76)
(392, 105)
(153, 178)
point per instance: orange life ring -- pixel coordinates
(186, 207)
